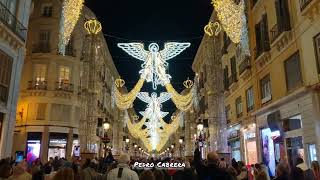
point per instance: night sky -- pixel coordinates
(149, 21)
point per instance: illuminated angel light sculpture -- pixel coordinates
(154, 114)
(155, 65)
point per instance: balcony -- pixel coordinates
(244, 65)
(304, 4)
(37, 85)
(12, 22)
(41, 48)
(275, 33)
(63, 86)
(233, 82)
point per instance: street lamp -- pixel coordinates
(180, 140)
(200, 126)
(106, 126)
(172, 146)
(127, 140)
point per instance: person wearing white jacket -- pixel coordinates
(123, 171)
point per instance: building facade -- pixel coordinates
(271, 96)
(13, 27)
(54, 118)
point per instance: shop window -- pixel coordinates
(292, 123)
(265, 86)
(239, 107)
(294, 149)
(316, 40)
(5, 76)
(250, 99)
(293, 72)
(33, 146)
(57, 145)
(312, 150)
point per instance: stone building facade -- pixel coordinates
(13, 33)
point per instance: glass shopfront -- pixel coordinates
(57, 145)
(272, 149)
(33, 146)
(235, 144)
(250, 147)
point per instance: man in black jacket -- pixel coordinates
(213, 171)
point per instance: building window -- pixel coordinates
(283, 17)
(44, 42)
(47, 10)
(41, 111)
(5, 76)
(250, 99)
(262, 36)
(60, 112)
(317, 49)
(293, 73)
(11, 5)
(39, 73)
(233, 69)
(239, 107)
(265, 86)
(227, 112)
(225, 78)
(64, 74)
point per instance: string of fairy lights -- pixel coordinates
(231, 19)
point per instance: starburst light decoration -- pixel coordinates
(155, 61)
(71, 10)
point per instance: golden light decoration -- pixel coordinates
(182, 102)
(212, 28)
(93, 26)
(71, 11)
(230, 16)
(119, 82)
(188, 83)
(124, 101)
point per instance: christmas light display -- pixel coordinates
(71, 10)
(155, 65)
(124, 101)
(230, 16)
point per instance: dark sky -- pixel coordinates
(149, 21)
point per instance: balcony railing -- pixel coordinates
(304, 4)
(37, 85)
(41, 48)
(12, 22)
(63, 86)
(244, 65)
(275, 33)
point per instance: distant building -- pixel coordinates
(14, 19)
(59, 112)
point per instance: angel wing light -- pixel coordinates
(155, 65)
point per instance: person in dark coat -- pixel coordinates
(213, 171)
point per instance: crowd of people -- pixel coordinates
(213, 168)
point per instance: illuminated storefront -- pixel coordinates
(234, 142)
(57, 145)
(250, 144)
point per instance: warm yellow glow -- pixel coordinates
(106, 125)
(71, 11)
(209, 29)
(124, 101)
(93, 26)
(230, 16)
(182, 102)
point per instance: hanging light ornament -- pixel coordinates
(124, 101)
(71, 10)
(230, 16)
